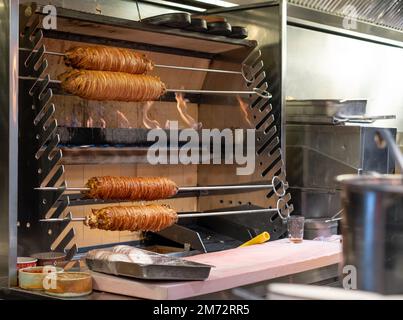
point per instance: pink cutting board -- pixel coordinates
(233, 268)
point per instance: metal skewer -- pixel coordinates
(202, 214)
(280, 191)
(180, 215)
(261, 93)
(249, 78)
(181, 189)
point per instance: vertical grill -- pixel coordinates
(49, 210)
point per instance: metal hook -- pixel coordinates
(276, 180)
(262, 93)
(245, 73)
(279, 211)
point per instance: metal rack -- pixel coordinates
(44, 171)
(39, 158)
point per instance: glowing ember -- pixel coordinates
(90, 122)
(103, 123)
(149, 123)
(244, 108)
(184, 113)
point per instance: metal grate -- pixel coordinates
(386, 13)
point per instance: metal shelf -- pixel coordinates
(88, 27)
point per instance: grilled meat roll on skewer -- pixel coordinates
(130, 188)
(108, 59)
(107, 85)
(151, 217)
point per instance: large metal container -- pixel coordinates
(319, 227)
(372, 229)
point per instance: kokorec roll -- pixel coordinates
(130, 188)
(151, 217)
(108, 59)
(112, 86)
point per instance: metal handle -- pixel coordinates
(276, 180)
(333, 218)
(283, 213)
(262, 93)
(360, 118)
(246, 72)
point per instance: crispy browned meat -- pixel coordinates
(108, 59)
(113, 86)
(130, 188)
(151, 217)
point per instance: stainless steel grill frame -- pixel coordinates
(40, 162)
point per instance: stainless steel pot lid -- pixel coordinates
(391, 183)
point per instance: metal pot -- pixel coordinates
(319, 227)
(372, 229)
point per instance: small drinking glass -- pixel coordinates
(295, 226)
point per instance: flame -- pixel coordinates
(149, 123)
(244, 108)
(90, 122)
(103, 123)
(122, 117)
(182, 107)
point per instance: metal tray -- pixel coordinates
(332, 112)
(323, 111)
(161, 267)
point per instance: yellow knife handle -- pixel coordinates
(261, 238)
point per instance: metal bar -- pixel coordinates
(228, 187)
(209, 91)
(181, 215)
(261, 93)
(61, 219)
(38, 79)
(9, 35)
(198, 69)
(223, 213)
(181, 189)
